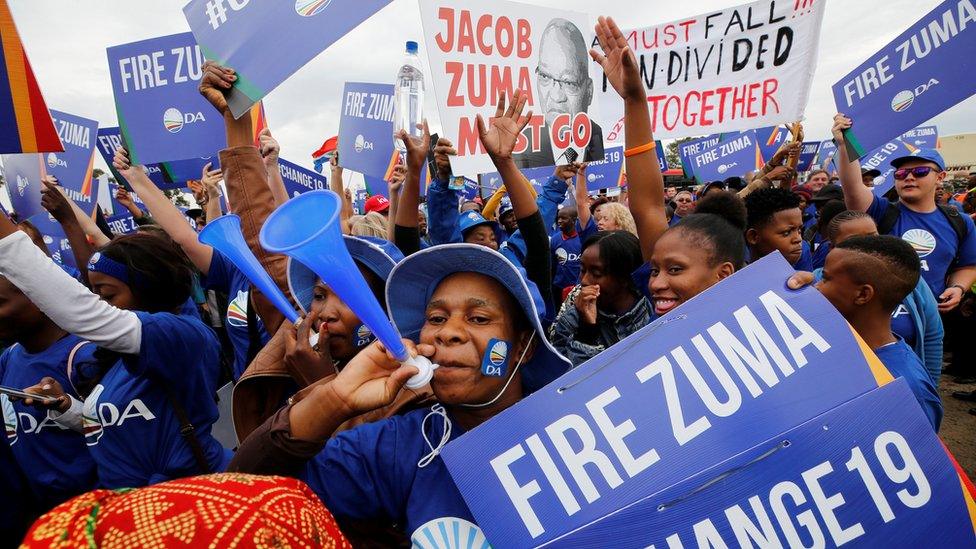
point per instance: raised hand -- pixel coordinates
(373, 377)
(269, 147)
(396, 179)
(841, 123)
(210, 179)
(790, 150)
(567, 171)
(54, 200)
(300, 355)
(215, 83)
(416, 146)
(443, 150)
(618, 61)
(500, 139)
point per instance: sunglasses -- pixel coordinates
(917, 172)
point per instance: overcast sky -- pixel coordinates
(66, 41)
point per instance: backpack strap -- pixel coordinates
(71, 362)
(888, 220)
(188, 432)
(956, 220)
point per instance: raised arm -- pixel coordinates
(59, 205)
(210, 181)
(442, 201)
(582, 197)
(87, 224)
(856, 195)
(406, 220)
(166, 214)
(394, 189)
(270, 149)
(336, 185)
(646, 196)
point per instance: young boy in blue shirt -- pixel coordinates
(866, 278)
(775, 222)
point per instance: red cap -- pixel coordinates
(377, 203)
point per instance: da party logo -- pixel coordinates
(921, 240)
(174, 120)
(308, 8)
(906, 98)
(362, 144)
(53, 161)
(22, 184)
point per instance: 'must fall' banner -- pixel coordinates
(733, 69)
(481, 50)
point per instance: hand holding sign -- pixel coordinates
(215, 84)
(499, 141)
(617, 60)
(442, 153)
(54, 200)
(416, 147)
(270, 148)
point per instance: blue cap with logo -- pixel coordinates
(926, 155)
(471, 219)
(505, 206)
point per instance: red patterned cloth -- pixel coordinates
(222, 510)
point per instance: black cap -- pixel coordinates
(829, 192)
(870, 173)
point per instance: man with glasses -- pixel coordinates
(684, 205)
(563, 86)
(944, 239)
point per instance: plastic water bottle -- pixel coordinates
(409, 97)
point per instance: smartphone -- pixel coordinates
(21, 394)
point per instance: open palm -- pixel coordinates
(500, 139)
(617, 60)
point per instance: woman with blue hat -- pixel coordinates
(472, 312)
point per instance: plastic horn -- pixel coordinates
(307, 229)
(224, 235)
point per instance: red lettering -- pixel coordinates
(469, 140)
(670, 37)
(706, 107)
(677, 114)
(484, 23)
(687, 25)
(738, 103)
(465, 33)
(446, 15)
(456, 70)
(477, 90)
(688, 111)
(582, 130)
(525, 84)
(750, 113)
(524, 44)
(501, 82)
(535, 125)
(654, 100)
(722, 94)
(560, 132)
(504, 36)
(769, 89)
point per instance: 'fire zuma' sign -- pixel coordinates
(479, 51)
(734, 69)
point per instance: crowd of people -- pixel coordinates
(126, 354)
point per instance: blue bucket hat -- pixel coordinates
(926, 155)
(376, 254)
(413, 281)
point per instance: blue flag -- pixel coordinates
(161, 113)
(266, 42)
(923, 72)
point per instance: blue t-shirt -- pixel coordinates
(932, 236)
(820, 255)
(371, 472)
(225, 277)
(675, 219)
(805, 263)
(130, 426)
(902, 362)
(586, 232)
(903, 325)
(53, 458)
(566, 254)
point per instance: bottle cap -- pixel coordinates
(425, 374)
(412, 47)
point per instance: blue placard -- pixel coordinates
(770, 140)
(22, 174)
(73, 167)
(54, 238)
(697, 386)
(161, 113)
(808, 153)
(490, 182)
(923, 72)
(366, 129)
(606, 173)
(662, 159)
(122, 223)
(359, 204)
(871, 470)
(826, 157)
(165, 175)
(693, 147)
(299, 180)
(922, 137)
(236, 34)
(735, 155)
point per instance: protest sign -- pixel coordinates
(366, 129)
(826, 155)
(807, 155)
(871, 470)
(165, 175)
(770, 140)
(298, 180)
(54, 238)
(606, 173)
(122, 223)
(236, 33)
(732, 69)
(662, 159)
(491, 182)
(359, 204)
(693, 147)
(73, 167)
(22, 174)
(923, 137)
(695, 387)
(923, 72)
(735, 155)
(481, 50)
(26, 125)
(161, 113)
